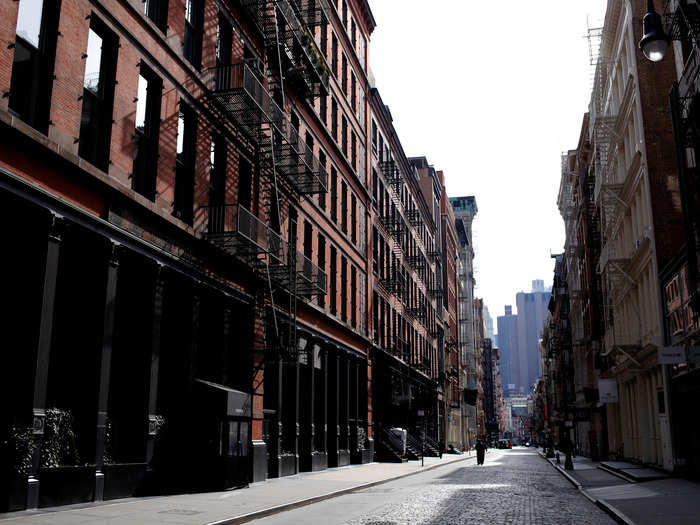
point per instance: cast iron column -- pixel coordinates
(155, 364)
(324, 369)
(55, 237)
(105, 367)
(347, 402)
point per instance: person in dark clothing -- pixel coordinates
(441, 446)
(480, 452)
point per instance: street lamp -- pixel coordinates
(655, 41)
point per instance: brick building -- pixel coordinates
(185, 194)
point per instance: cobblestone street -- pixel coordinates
(513, 487)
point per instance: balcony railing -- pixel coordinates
(309, 68)
(311, 279)
(237, 231)
(414, 217)
(240, 93)
(392, 173)
(296, 161)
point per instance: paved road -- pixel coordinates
(513, 487)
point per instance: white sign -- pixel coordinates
(671, 355)
(607, 390)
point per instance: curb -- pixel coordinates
(316, 499)
(614, 513)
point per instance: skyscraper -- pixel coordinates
(508, 344)
(532, 309)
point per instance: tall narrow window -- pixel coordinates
(334, 281)
(194, 14)
(334, 195)
(185, 161)
(353, 150)
(98, 95)
(334, 120)
(224, 43)
(217, 164)
(147, 127)
(33, 62)
(353, 92)
(323, 109)
(322, 264)
(245, 183)
(375, 251)
(353, 219)
(157, 11)
(344, 79)
(345, 14)
(343, 289)
(334, 55)
(322, 195)
(353, 297)
(344, 136)
(344, 208)
(308, 239)
(324, 38)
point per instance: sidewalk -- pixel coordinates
(231, 507)
(662, 501)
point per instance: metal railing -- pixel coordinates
(239, 90)
(310, 278)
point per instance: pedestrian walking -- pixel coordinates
(441, 446)
(480, 452)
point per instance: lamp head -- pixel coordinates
(654, 43)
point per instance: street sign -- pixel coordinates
(607, 390)
(671, 355)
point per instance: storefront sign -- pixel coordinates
(671, 355)
(607, 390)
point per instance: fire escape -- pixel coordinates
(288, 169)
(683, 22)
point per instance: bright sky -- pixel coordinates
(491, 93)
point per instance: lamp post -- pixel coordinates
(655, 41)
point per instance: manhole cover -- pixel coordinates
(181, 512)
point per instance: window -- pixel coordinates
(323, 109)
(353, 150)
(98, 95)
(145, 168)
(33, 62)
(343, 289)
(353, 92)
(322, 264)
(334, 195)
(245, 183)
(308, 240)
(353, 34)
(344, 207)
(324, 38)
(322, 195)
(224, 42)
(184, 163)
(334, 281)
(334, 55)
(344, 79)
(334, 120)
(193, 31)
(374, 137)
(345, 14)
(157, 11)
(353, 220)
(217, 170)
(353, 297)
(374, 186)
(375, 250)
(344, 136)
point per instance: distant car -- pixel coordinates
(510, 444)
(503, 443)
(527, 444)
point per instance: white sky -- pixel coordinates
(491, 93)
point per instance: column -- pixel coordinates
(312, 399)
(153, 420)
(324, 368)
(105, 366)
(297, 422)
(347, 401)
(55, 237)
(280, 423)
